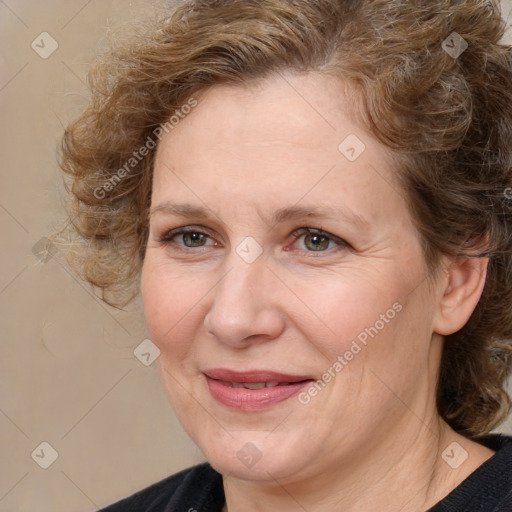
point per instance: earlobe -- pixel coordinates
(462, 287)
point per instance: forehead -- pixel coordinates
(286, 107)
(289, 138)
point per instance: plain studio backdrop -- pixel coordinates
(74, 397)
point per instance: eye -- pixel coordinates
(316, 240)
(188, 237)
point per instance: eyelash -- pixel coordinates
(167, 238)
(300, 232)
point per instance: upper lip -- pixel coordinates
(227, 375)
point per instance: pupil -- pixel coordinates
(195, 238)
(318, 242)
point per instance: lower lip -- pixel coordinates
(245, 399)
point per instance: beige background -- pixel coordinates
(69, 374)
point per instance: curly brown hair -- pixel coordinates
(434, 83)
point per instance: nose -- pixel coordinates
(246, 308)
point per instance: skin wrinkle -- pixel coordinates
(390, 76)
(395, 71)
(285, 311)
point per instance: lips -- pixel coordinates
(253, 390)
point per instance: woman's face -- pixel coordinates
(247, 297)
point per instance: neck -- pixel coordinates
(402, 471)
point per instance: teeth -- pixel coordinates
(254, 385)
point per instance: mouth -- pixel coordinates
(253, 390)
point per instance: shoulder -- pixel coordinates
(489, 487)
(198, 488)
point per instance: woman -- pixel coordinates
(313, 199)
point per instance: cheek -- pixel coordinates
(172, 306)
(358, 307)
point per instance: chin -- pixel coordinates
(254, 456)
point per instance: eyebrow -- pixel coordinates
(314, 212)
(188, 210)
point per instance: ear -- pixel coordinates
(461, 288)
